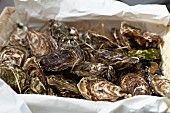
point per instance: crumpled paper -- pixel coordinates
(10, 102)
(36, 13)
(32, 103)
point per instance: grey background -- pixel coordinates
(4, 3)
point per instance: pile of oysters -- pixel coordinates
(68, 62)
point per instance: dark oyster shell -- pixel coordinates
(40, 44)
(14, 55)
(121, 40)
(97, 41)
(65, 36)
(65, 87)
(98, 89)
(95, 69)
(115, 59)
(144, 39)
(62, 59)
(89, 69)
(38, 82)
(13, 76)
(134, 84)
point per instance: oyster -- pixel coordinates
(143, 39)
(14, 55)
(65, 36)
(153, 68)
(38, 82)
(57, 29)
(62, 59)
(95, 69)
(69, 40)
(13, 76)
(36, 87)
(147, 54)
(89, 69)
(63, 86)
(121, 40)
(134, 84)
(160, 84)
(99, 89)
(115, 59)
(97, 41)
(40, 44)
(18, 38)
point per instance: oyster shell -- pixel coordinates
(98, 89)
(36, 87)
(65, 36)
(38, 82)
(153, 68)
(63, 86)
(142, 38)
(18, 38)
(115, 59)
(40, 44)
(121, 40)
(97, 41)
(14, 55)
(56, 28)
(89, 69)
(13, 76)
(95, 69)
(62, 59)
(160, 84)
(134, 84)
(147, 54)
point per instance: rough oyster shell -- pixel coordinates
(62, 59)
(115, 59)
(134, 84)
(14, 55)
(13, 76)
(35, 76)
(63, 86)
(89, 69)
(160, 84)
(95, 69)
(97, 41)
(40, 44)
(144, 39)
(121, 40)
(98, 89)
(36, 87)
